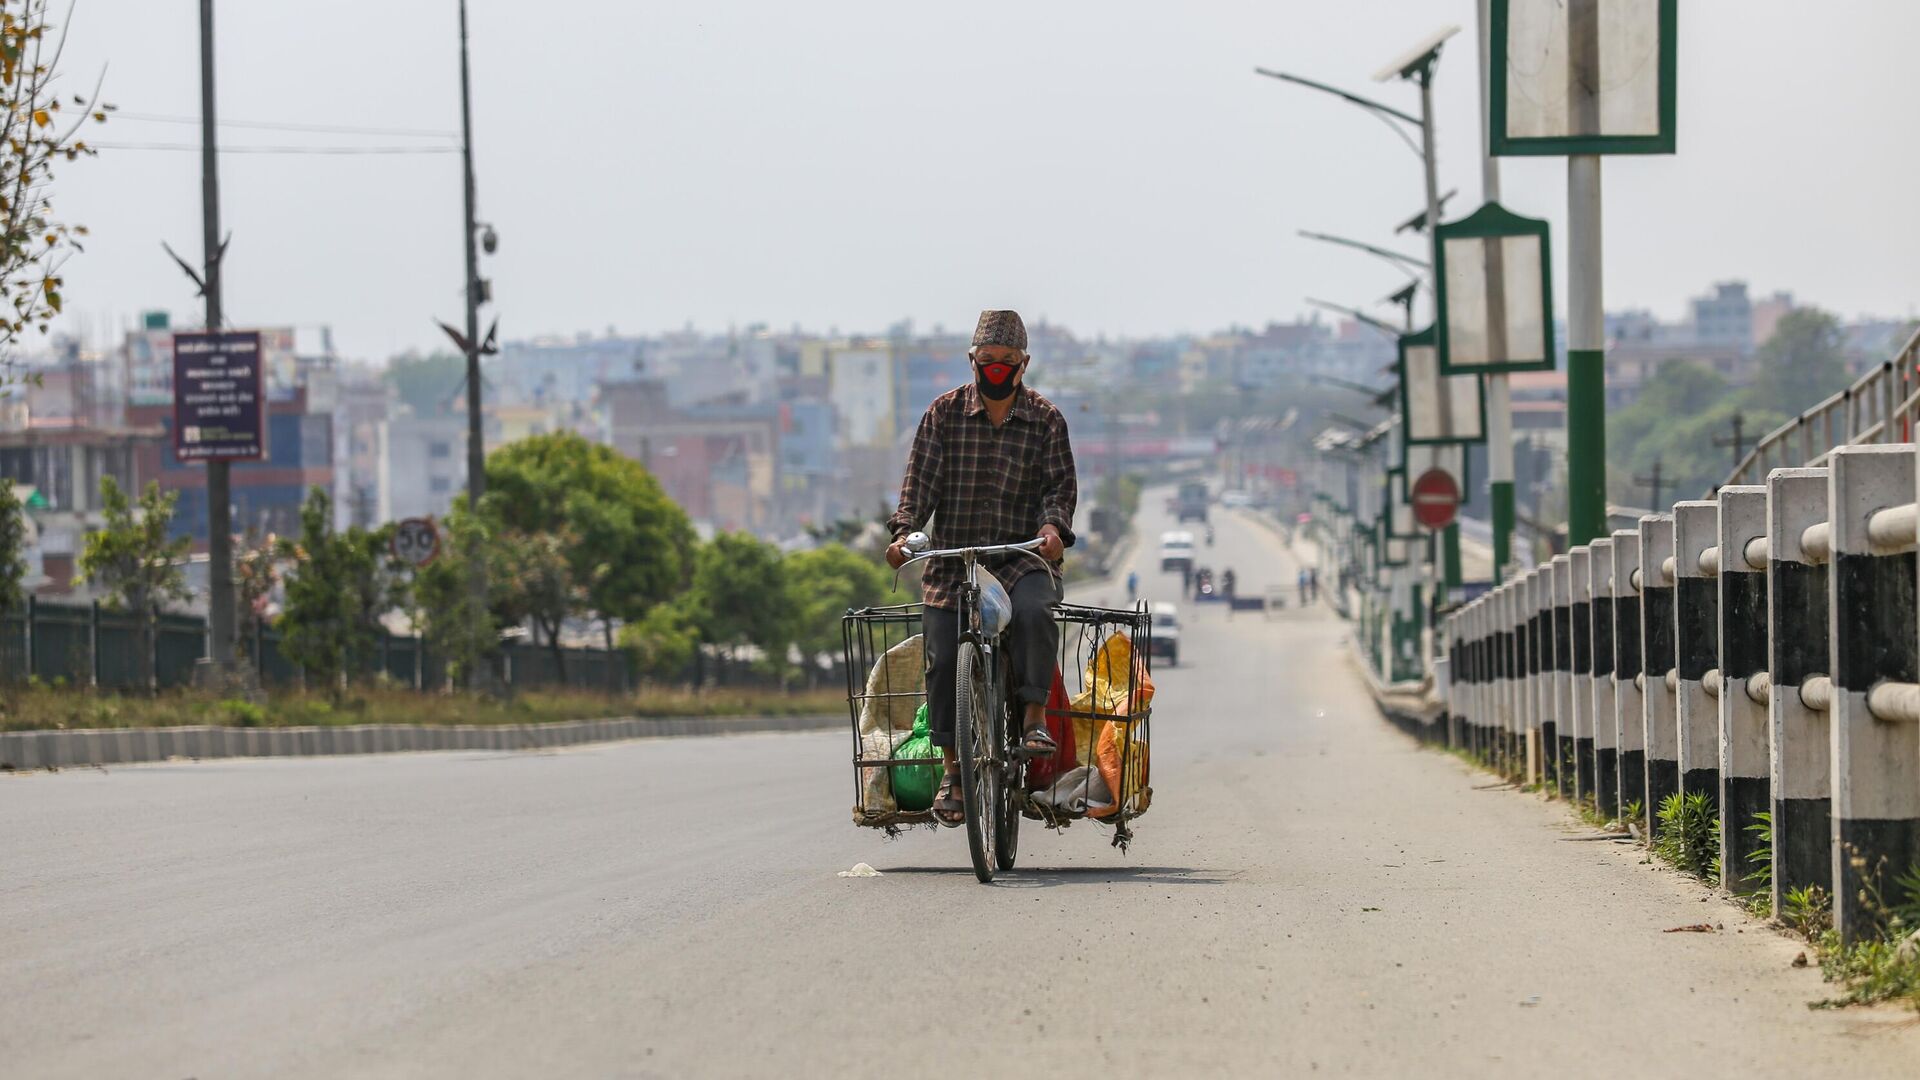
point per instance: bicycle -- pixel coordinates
(986, 743)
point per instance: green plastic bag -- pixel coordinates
(914, 785)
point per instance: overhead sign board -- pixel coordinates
(1437, 408)
(1582, 76)
(219, 396)
(1494, 311)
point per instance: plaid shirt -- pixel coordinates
(986, 484)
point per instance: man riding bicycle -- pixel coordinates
(990, 464)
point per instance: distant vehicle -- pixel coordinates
(1166, 632)
(1191, 503)
(1176, 551)
(1236, 500)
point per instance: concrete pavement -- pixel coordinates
(1311, 894)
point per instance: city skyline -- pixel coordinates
(665, 185)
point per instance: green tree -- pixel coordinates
(340, 586)
(463, 633)
(13, 546)
(663, 642)
(535, 581)
(631, 546)
(133, 557)
(740, 596)
(429, 384)
(823, 584)
(1803, 362)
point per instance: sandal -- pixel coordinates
(1037, 742)
(948, 808)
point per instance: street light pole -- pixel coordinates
(220, 613)
(1450, 537)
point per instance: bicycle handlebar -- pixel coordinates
(990, 549)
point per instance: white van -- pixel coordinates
(1176, 551)
(1166, 632)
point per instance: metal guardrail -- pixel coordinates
(1881, 406)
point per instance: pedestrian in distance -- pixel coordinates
(1133, 586)
(1313, 584)
(1300, 582)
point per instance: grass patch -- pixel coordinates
(1876, 971)
(1689, 836)
(1871, 972)
(50, 709)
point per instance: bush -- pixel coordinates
(239, 713)
(1689, 837)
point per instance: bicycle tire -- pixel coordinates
(1006, 823)
(972, 735)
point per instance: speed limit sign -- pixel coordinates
(416, 541)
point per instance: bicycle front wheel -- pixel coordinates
(973, 740)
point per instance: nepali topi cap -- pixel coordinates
(1000, 328)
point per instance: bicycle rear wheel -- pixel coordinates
(1013, 779)
(973, 740)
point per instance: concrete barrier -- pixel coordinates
(1696, 607)
(21, 750)
(1606, 727)
(1629, 711)
(1799, 744)
(1658, 659)
(1540, 675)
(1744, 762)
(1580, 567)
(1876, 797)
(1561, 572)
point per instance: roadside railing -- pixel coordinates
(1761, 647)
(1880, 407)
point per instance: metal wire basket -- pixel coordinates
(1104, 667)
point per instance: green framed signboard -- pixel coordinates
(1436, 408)
(1582, 77)
(1494, 311)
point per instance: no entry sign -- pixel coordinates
(1435, 497)
(218, 400)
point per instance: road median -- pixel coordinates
(26, 750)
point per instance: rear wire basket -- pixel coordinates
(886, 684)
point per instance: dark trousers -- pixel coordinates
(1029, 647)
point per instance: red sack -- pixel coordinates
(1043, 771)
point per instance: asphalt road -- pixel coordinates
(1311, 894)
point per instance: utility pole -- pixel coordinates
(1657, 482)
(476, 433)
(220, 613)
(1586, 323)
(1739, 439)
(1499, 395)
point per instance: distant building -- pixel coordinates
(861, 382)
(362, 406)
(718, 460)
(64, 465)
(423, 465)
(1724, 317)
(1767, 314)
(549, 370)
(266, 494)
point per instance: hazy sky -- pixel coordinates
(1115, 166)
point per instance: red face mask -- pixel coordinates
(996, 379)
